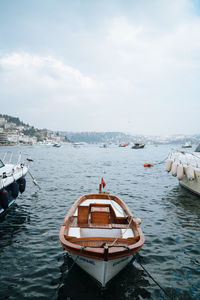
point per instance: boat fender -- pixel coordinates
(22, 184)
(14, 189)
(138, 221)
(174, 168)
(190, 173)
(4, 198)
(180, 172)
(169, 165)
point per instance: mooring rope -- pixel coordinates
(161, 162)
(82, 248)
(131, 218)
(63, 277)
(164, 291)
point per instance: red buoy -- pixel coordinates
(148, 165)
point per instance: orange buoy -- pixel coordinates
(148, 165)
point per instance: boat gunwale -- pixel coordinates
(99, 253)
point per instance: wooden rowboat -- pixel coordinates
(101, 235)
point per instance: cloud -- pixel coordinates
(135, 67)
(40, 87)
(34, 71)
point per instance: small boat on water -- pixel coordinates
(12, 182)
(101, 235)
(186, 167)
(187, 145)
(124, 144)
(57, 145)
(138, 146)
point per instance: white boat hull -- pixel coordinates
(189, 176)
(12, 173)
(102, 271)
(192, 185)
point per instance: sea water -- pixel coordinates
(32, 261)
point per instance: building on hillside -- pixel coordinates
(13, 136)
(26, 139)
(21, 128)
(3, 138)
(9, 125)
(2, 122)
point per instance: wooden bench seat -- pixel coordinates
(74, 223)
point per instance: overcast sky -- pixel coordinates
(102, 65)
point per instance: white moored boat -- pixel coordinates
(12, 182)
(186, 166)
(187, 145)
(101, 235)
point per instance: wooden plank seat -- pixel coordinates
(74, 223)
(98, 241)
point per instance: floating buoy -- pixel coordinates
(180, 172)
(190, 173)
(174, 168)
(148, 165)
(169, 165)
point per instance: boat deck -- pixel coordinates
(101, 230)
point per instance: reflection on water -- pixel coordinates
(129, 284)
(11, 224)
(33, 263)
(187, 201)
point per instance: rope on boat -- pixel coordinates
(131, 218)
(158, 163)
(82, 248)
(164, 291)
(62, 278)
(161, 162)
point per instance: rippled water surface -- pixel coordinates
(33, 263)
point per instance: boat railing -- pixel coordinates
(17, 159)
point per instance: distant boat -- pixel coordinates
(12, 182)
(187, 145)
(57, 145)
(138, 146)
(101, 235)
(104, 146)
(124, 144)
(79, 144)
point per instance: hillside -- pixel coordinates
(15, 120)
(97, 137)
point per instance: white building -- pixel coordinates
(9, 125)
(13, 136)
(26, 139)
(2, 121)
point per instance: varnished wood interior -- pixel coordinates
(83, 213)
(100, 216)
(97, 214)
